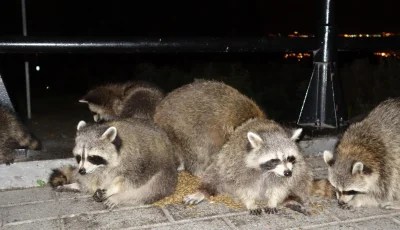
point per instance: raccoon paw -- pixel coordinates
(194, 198)
(111, 202)
(271, 210)
(345, 206)
(9, 159)
(256, 212)
(100, 195)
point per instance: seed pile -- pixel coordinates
(188, 184)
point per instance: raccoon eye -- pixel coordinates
(78, 159)
(291, 159)
(97, 160)
(350, 193)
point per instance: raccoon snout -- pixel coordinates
(341, 202)
(287, 173)
(82, 171)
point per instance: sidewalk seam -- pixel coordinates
(229, 223)
(168, 215)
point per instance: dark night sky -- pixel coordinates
(192, 18)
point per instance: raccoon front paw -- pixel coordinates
(345, 206)
(100, 195)
(9, 159)
(111, 202)
(271, 210)
(256, 212)
(194, 198)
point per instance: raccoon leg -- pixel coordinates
(296, 204)
(74, 187)
(275, 196)
(205, 190)
(252, 206)
(359, 200)
(8, 156)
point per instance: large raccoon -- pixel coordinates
(365, 166)
(136, 99)
(200, 117)
(125, 161)
(14, 135)
(260, 162)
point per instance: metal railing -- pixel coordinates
(322, 107)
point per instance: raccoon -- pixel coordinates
(136, 99)
(14, 135)
(200, 117)
(365, 165)
(259, 162)
(125, 161)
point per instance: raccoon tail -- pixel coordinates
(322, 187)
(62, 176)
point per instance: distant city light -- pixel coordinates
(47, 87)
(37, 68)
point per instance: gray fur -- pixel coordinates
(367, 160)
(237, 169)
(14, 135)
(132, 99)
(140, 168)
(199, 118)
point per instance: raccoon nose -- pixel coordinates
(287, 173)
(82, 171)
(341, 202)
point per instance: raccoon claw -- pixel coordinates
(271, 210)
(100, 195)
(345, 206)
(110, 203)
(193, 198)
(256, 212)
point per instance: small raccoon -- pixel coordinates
(200, 117)
(259, 162)
(14, 135)
(126, 161)
(365, 165)
(136, 99)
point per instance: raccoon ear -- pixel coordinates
(81, 124)
(254, 139)
(296, 134)
(110, 134)
(328, 158)
(357, 167)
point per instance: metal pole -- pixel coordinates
(322, 106)
(27, 79)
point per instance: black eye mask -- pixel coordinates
(271, 164)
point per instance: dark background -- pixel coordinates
(270, 79)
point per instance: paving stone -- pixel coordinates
(340, 226)
(203, 224)
(284, 219)
(382, 223)
(14, 197)
(332, 207)
(49, 209)
(116, 219)
(203, 209)
(42, 225)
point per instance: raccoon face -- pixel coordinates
(349, 178)
(103, 104)
(93, 152)
(275, 154)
